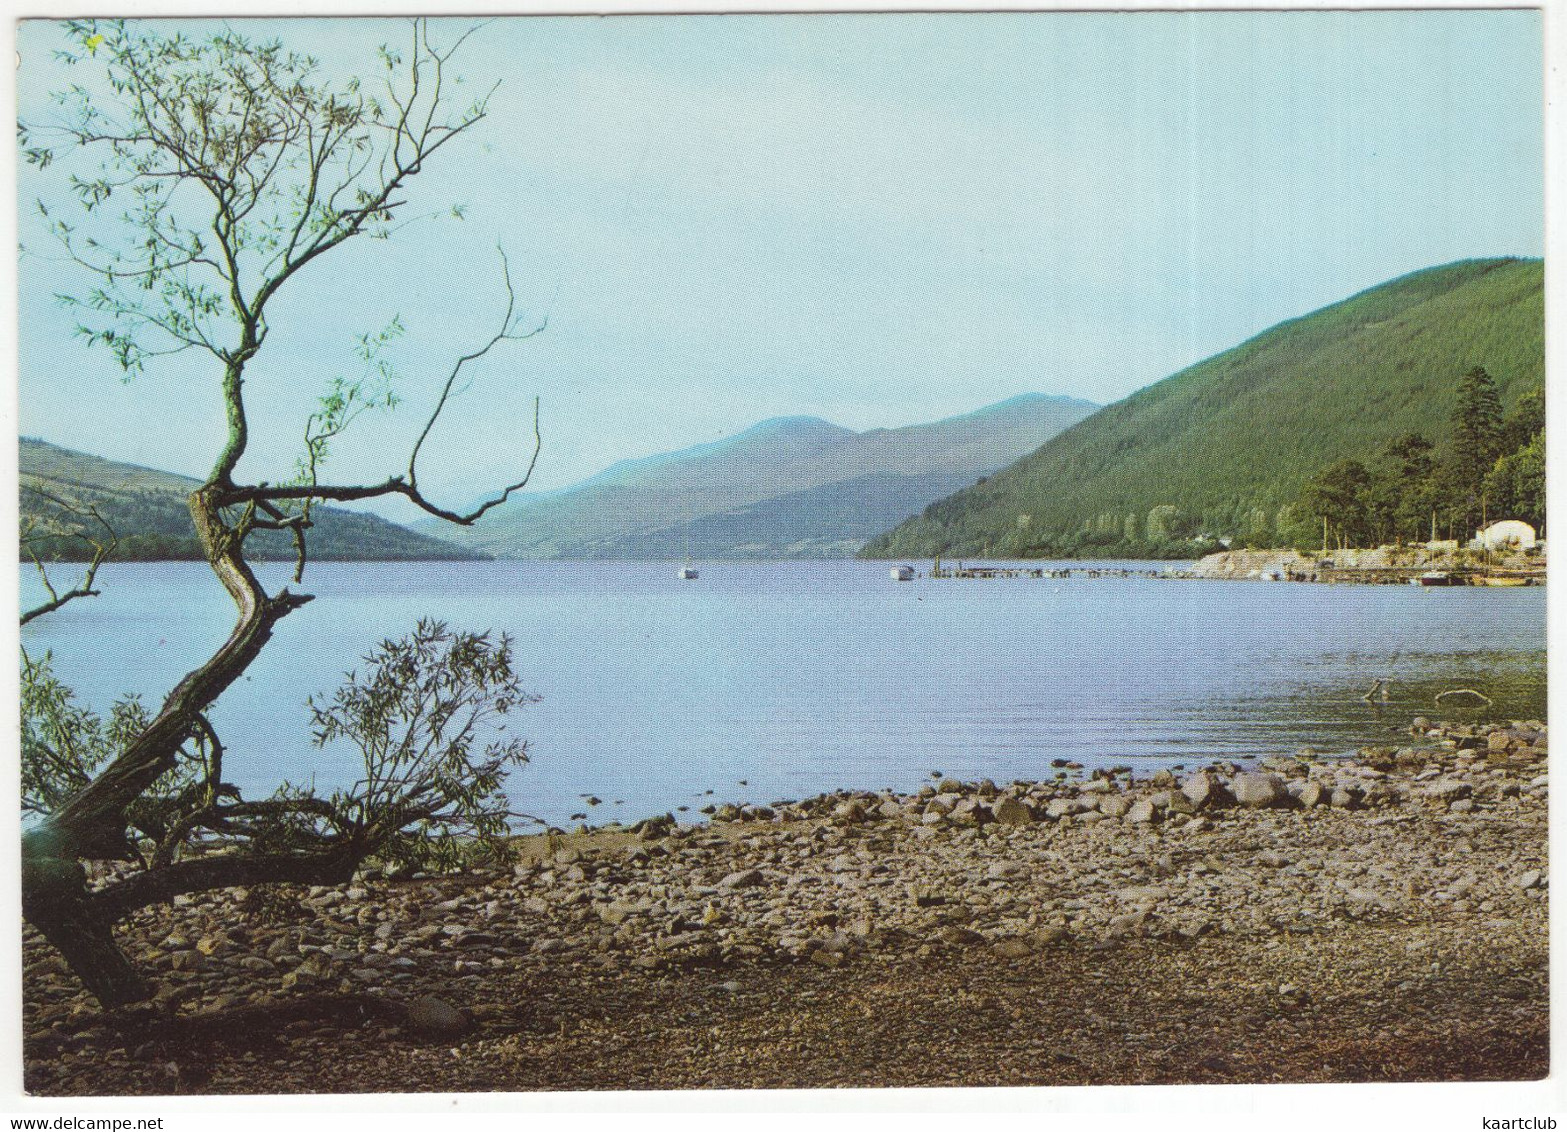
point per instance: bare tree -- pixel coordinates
(212, 172)
(64, 521)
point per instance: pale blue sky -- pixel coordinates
(878, 219)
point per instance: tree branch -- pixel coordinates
(407, 485)
(202, 874)
(101, 552)
(506, 333)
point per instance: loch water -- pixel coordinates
(761, 681)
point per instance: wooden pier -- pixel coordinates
(1405, 575)
(1042, 572)
(1331, 575)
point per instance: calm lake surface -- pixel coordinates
(765, 681)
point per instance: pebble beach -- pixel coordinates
(1375, 918)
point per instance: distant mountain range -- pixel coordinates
(1226, 444)
(789, 487)
(1230, 441)
(147, 511)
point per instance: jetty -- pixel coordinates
(986, 573)
(1406, 575)
(1433, 564)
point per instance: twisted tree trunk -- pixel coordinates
(55, 900)
(92, 824)
(312, 147)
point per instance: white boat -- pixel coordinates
(688, 571)
(903, 573)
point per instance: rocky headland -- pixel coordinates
(1382, 917)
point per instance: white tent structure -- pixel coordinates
(1508, 534)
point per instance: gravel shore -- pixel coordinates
(1380, 918)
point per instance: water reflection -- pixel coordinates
(802, 677)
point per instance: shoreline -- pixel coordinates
(1377, 918)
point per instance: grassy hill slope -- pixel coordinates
(147, 510)
(1242, 432)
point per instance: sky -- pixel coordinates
(876, 219)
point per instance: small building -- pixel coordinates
(1508, 534)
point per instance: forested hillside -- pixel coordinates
(145, 509)
(1226, 447)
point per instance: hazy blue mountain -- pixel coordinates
(831, 521)
(786, 487)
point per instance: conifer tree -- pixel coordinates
(1477, 441)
